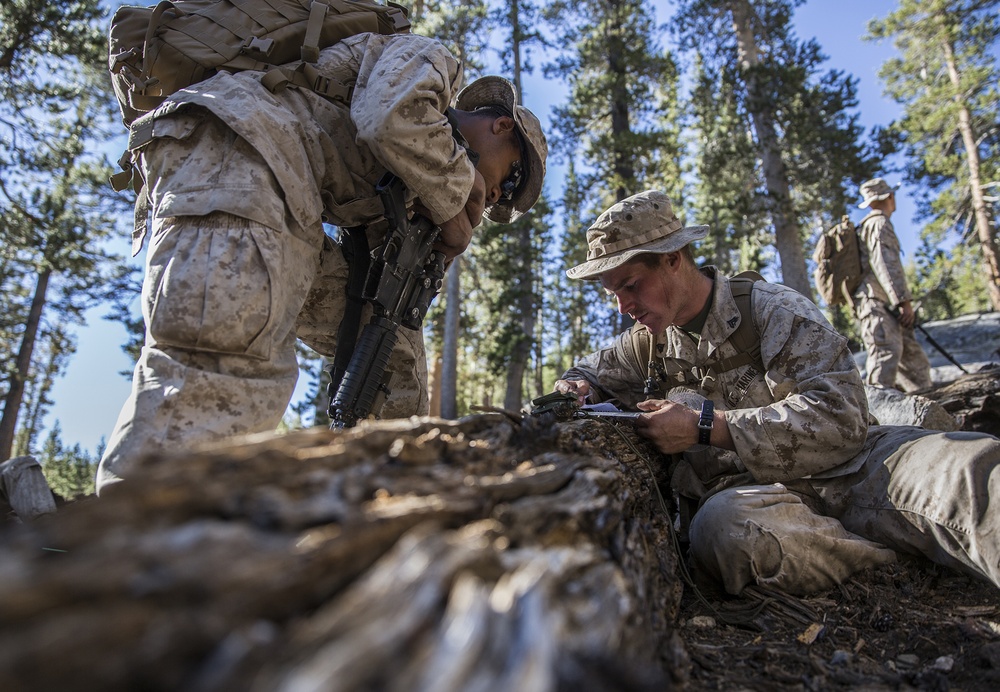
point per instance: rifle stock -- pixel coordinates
(401, 284)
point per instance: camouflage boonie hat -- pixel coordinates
(873, 190)
(639, 224)
(497, 91)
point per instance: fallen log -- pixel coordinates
(487, 553)
(973, 400)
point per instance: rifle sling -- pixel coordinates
(354, 245)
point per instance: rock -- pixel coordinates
(893, 407)
(972, 340)
(24, 488)
(841, 658)
(944, 664)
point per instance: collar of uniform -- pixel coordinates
(724, 318)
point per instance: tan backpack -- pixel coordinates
(838, 263)
(154, 51)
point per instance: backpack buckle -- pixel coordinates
(259, 46)
(125, 55)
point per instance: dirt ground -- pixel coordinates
(908, 626)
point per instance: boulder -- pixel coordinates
(972, 340)
(893, 407)
(24, 490)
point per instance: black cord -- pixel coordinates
(741, 618)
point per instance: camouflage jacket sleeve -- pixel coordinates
(399, 105)
(811, 415)
(616, 372)
(882, 248)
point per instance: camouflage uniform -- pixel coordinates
(812, 493)
(240, 180)
(895, 358)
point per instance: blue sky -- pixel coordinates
(89, 397)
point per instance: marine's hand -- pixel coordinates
(579, 387)
(456, 232)
(671, 427)
(907, 317)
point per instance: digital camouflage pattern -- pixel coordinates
(895, 358)
(327, 157)
(812, 494)
(805, 396)
(239, 181)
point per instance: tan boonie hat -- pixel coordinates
(497, 91)
(874, 189)
(639, 224)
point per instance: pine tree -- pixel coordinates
(514, 252)
(620, 82)
(806, 140)
(55, 208)
(70, 473)
(946, 78)
(461, 27)
(725, 191)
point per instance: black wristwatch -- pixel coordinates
(705, 422)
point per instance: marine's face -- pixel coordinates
(651, 295)
(497, 144)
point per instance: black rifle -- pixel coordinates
(930, 339)
(401, 284)
(939, 347)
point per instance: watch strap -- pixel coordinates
(705, 422)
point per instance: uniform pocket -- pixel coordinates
(209, 286)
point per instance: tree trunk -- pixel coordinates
(425, 554)
(435, 386)
(521, 354)
(22, 366)
(987, 242)
(449, 343)
(621, 126)
(786, 232)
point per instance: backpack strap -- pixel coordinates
(745, 339)
(644, 349)
(306, 76)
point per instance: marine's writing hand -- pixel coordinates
(671, 427)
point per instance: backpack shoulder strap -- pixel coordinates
(745, 339)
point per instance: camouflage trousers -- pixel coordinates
(917, 492)
(221, 297)
(895, 357)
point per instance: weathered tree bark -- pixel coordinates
(974, 400)
(426, 554)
